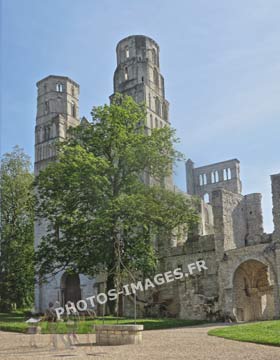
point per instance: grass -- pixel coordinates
(265, 332)
(15, 322)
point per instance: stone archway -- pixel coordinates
(70, 288)
(253, 297)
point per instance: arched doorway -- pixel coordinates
(252, 292)
(70, 288)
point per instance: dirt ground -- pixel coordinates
(185, 343)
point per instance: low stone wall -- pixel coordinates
(118, 334)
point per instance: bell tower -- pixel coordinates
(138, 75)
(57, 110)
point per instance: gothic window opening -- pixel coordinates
(127, 52)
(47, 107)
(227, 174)
(156, 78)
(73, 109)
(216, 174)
(204, 179)
(157, 106)
(126, 73)
(206, 198)
(156, 121)
(47, 132)
(164, 111)
(154, 56)
(151, 121)
(150, 101)
(59, 87)
(72, 90)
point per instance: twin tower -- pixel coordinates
(137, 74)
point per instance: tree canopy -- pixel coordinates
(96, 198)
(17, 240)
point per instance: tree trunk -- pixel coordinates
(112, 305)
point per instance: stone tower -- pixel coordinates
(57, 110)
(138, 75)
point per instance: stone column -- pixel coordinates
(275, 183)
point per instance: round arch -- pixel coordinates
(253, 297)
(70, 288)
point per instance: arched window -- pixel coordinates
(206, 198)
(47, 107)
(151, 121)
(156, 121)
(126, 73)
(156, 79)
(216, 176)
(47, 131)
(73, 109)
(157, 106)
(212, 177)
(227, 174)
(59, 87)
(72, 90)
(149, 100)
(204, 179)
(164, 111)
(154, 56)
(127, 52)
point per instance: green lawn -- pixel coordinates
(265, 332)
(16, 322)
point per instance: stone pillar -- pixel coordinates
(190, 177)
(275, 183)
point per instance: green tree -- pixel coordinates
(96, 203)
(16, 242)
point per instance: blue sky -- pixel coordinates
(220, 60)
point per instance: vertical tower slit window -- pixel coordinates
(73, 109)
(127, 52)
(126, 73)
(156, 79)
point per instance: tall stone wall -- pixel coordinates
(203, 180)
(238, 219)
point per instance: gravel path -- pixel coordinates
(181, 344)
